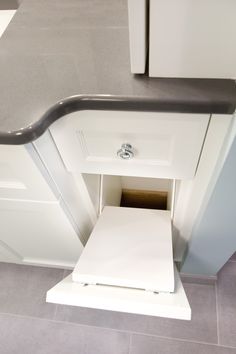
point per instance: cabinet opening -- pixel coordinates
(145, 193)
(134, 198)
(131, 192)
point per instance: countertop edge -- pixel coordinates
(110, 102)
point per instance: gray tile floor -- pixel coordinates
(30, 326)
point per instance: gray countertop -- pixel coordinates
(54, 49)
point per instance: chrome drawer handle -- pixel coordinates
(125, 152)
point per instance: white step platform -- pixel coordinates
(170, 305)
(129, 247)
(127, 265)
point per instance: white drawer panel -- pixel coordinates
(164, 145)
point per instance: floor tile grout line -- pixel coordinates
(183, 340)
(217, 315)
(119, 330)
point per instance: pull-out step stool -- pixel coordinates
(127, 265)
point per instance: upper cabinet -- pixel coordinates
(187, 38)
(138, 15)
(162, 145)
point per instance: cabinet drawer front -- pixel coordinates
(164, 145)
(19, 176)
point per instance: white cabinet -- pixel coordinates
(39, 233)
(163, 145)
(191, 38)
(20, 178)
(127, 263)
(137, 11)
(187, 38)
(35, 228)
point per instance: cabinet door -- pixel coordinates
(38, 233)
(19, 176)
(163, 145)
(191, 39)
(137, 11)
